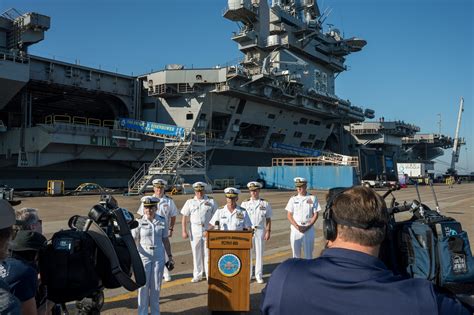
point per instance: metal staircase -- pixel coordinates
(181, 157)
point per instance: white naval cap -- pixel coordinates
(199, 186)
(300, 181)
(231, 192)
(149, 201)
(254, 185)
(159, 183)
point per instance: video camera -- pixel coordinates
(97, 252)
(428, 245)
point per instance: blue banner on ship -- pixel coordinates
(151, 127)
(296, 150)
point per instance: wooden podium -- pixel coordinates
(229, 270)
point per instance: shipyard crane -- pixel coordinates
(457, 144)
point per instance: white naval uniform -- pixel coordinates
(167, 209)
(259, 210)
(199, 212)
(235, 221)
(303, 208)
(149, 235)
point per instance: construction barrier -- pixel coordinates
(55, 187)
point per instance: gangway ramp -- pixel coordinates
(184, 153)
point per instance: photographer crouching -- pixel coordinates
(348, 277)
(151, 237)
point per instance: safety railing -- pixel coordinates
(79, 120)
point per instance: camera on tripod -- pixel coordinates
(97, 252)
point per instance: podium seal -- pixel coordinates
(229, 265)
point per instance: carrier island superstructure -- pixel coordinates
(59, 120)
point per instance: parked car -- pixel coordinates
(91, 189)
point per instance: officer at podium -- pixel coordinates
(231, 217)
(198, 211)
(260, 213)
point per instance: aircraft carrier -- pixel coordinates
(76, 123)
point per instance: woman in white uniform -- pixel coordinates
(151, 237)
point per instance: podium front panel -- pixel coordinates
(229, 270)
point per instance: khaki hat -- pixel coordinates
(28, 240)
(7, 214)
(159, 183)
(300, 181)
(231, 192)
(149, 201)
(254, 185)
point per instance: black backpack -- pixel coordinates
(67, 266)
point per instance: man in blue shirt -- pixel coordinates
(348, 278)
(9, 304)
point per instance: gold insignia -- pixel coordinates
(240, 215)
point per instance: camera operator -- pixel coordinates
(151, 237)
(348, 278)
(28, 220)
(9, 304)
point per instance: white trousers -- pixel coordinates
(305, 240)
(149, 294)
(200, 252)
(258, 246)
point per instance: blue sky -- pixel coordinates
(417, 64)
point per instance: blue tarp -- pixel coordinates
(151, 127)
(319, 177)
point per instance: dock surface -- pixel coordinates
(182, 296)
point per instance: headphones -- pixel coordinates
(330, 223)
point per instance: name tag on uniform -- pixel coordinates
(224, 217)
(145, 224)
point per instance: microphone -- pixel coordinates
(216, 224)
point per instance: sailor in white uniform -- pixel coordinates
(260, 213)
(198, 211)
(151, 237)
(231, 217)
(302, 213)
(165, 208)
